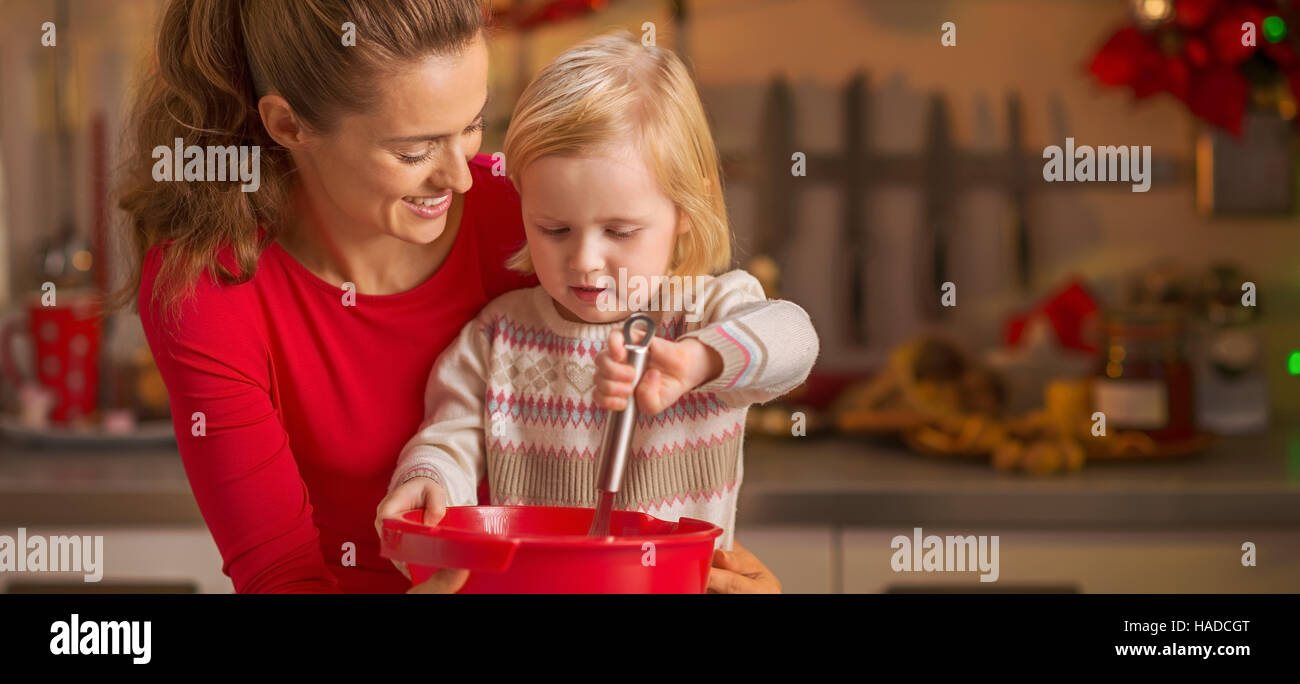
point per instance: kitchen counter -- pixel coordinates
(1252, 480)
(94, 486)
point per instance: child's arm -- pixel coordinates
(749, 350)
(768, 346)
(449, 445)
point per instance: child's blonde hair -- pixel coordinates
(613, 88)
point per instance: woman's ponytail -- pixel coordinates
(201, 93)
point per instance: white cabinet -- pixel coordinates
(820, 559)
(1091, 562)
(134, 556)
(804, 558)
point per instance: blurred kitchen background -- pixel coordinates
(884, 169)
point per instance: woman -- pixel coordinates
(295, 325)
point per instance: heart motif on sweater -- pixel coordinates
(581, 377)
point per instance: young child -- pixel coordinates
(618, 177)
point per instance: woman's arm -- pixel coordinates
(234, 447)
(449, 445)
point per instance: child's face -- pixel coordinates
(587, 217)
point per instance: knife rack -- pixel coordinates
(941, 170)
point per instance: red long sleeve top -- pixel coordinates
(306, 403)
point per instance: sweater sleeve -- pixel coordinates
(236, 452)
(767, 346)
(449, 445)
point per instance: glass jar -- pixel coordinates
(1145, 380)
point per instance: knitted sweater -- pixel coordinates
(513, 396)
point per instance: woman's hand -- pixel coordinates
(673, 369)
(740, 572)
(444, 581)
(416, 493)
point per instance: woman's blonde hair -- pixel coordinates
(611, 89)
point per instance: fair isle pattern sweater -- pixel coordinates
(513, 396)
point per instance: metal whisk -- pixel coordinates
(618, 429)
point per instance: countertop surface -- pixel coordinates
(1240, 480)
(1243, 480)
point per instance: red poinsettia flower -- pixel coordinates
(1116, 63)
(559, 10)
(1218, 95)
(1178, 77)
(1205, 70)
(1131, 58)
(1193, 14)
(1227, 37)
(1198, 53)
(1152, 75)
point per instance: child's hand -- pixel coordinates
(673, 369)
(414, 494)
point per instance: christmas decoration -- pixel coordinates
(525, 16)
(1066, 318)
(1217, 56)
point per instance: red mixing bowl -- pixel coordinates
(546, 550)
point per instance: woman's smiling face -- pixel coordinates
(392, 170)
